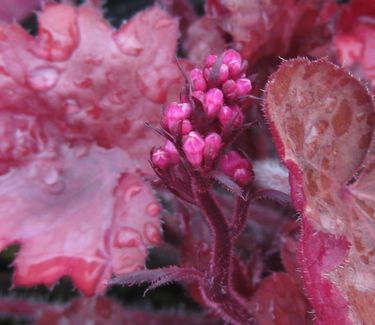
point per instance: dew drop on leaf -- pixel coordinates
(43, 78)
(153, 209)
(152, 233)
(127, 237)
(128, 43)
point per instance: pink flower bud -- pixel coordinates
(213, 102)
(161, 158)
(236, 167)
(193, 146)
(234, 62)
(172, 151)
(212, 146)
(226, 114)
(210, 61)
(243, 86)
(243, 176)
(223, 73)
(186, 127)
(229, 162)
(229, 89)
(196, 76)
(206, 73)
(176, 112)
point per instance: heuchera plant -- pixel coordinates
(111, 145)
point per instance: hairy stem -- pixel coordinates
(218, 289)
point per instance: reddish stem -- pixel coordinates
(218, 289)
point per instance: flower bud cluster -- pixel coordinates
(221, 86)
(216, 94)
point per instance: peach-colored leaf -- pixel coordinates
(322, 121)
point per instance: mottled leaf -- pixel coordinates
(322, 121)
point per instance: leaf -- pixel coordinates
(354, 40)
(63, 212)
(73, 103)
(278, 301)
(322, 121)
(105, 87)
(257, 29)
(270, 174)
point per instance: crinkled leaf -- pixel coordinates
(103, 87)
(75, 213)
(73, 103)
(322, 121)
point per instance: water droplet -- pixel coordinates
(127, 237)
(128, 44)
(131, 192)
(330, 104)
(92, 59)
(153, 209)
(42, 79)
(152, 233)
(360, 116)
(83, 82)
(71, 106)
(51, 176)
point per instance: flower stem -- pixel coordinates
(218, 289)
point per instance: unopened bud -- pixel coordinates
(223, 73)
(161, 158)
(243, 86)
(210, 61)
(229, 89)
(234, 62)
(212, 146)
(228, 114)
(172, 151)
(176, 112)
(243, 176)
(197, 79)
(213, 102)
(193, 146)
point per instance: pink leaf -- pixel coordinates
(278, 301)
(262, 28)
(73, 103)
(103, 87)
(355, 39)
(322, 121)
(62, 210)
